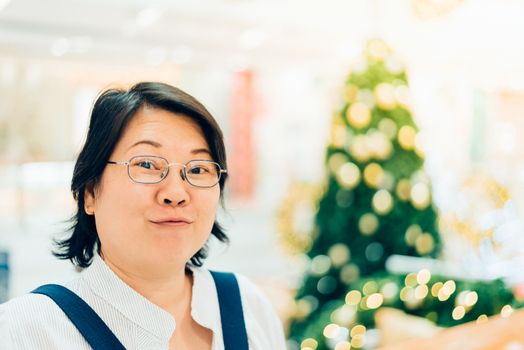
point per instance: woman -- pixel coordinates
(147, 182)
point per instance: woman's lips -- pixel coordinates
(171, 223)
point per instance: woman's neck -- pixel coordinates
(171, 289)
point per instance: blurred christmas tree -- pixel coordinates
(376, 203)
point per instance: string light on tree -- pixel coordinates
(358, 115)
(403, 189)
(420, 196)
(339, 254)
(382, 202)
(406, 137)
(368, 224)
(388, 127)
(348, 175)
(373, 175)
(377, 202)
(385, 96)
(359, 148)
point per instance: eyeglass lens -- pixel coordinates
(201, 173)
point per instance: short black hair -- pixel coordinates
(111, 113)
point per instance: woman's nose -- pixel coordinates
(173, 189)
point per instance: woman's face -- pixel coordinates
(144, 226)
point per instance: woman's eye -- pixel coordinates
(146, 165)
(198, 170)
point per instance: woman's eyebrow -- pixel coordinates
(201, 150)
(159, 145)
(146, 142)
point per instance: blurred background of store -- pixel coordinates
(272, 73)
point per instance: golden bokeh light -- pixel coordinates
(379, 145)
(412, 234)
(447, 290)
(403, 189)
(344, 315)
(309, 343)
(336, 160)
(374, 301)
(353, 297)
(348, 175)
(359, 148)
(373, 175)
(338, 136)
(382, 202)
(370, 287)
(482, 319)
(358, 115)
(331, 330)
(407, 293)
(388, 127)
(349, 273)
(423, 276)
(343, 345)
(411, 280)
(506, 311)
(302, 309)
(368, 224)
(458, 312)
(385, 96)
(436, 288)
(471, 298)
(389, 290)
(424, 244)
(339, 254)
(406, 137)
(357, 342)
(421, 291)
(358, 330)
(420, 196)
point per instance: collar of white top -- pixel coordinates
(107, 285)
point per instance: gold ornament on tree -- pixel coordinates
(295, 217)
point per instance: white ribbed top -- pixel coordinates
(34, 321)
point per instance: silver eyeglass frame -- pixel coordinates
(183, 174)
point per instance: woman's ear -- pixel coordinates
(89, 200)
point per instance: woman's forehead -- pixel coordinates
(160, 128)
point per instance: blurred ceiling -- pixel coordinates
(473, 34)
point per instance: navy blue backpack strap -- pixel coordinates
(89, 324)
(231, 313)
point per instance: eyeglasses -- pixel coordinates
(153, 169)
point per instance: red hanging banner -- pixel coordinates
(242, 151)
